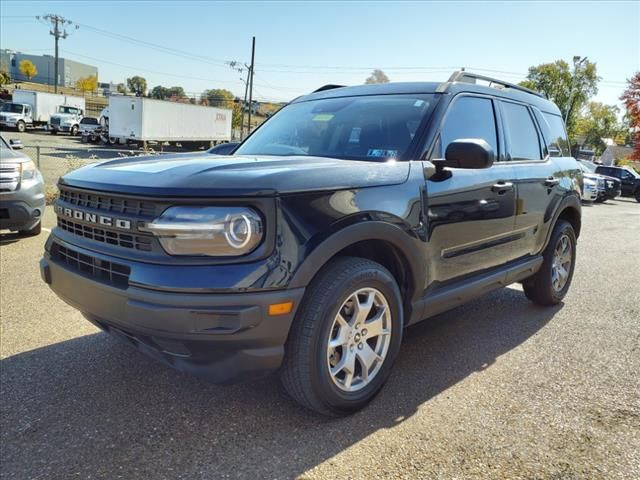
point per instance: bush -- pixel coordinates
(51, 194)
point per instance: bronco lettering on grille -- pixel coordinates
(93, 218)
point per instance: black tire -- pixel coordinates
(305, 372)
(637, 195)
(21, 126)
(33, 231)
(74, 131)
(54, 132)
(539, 287)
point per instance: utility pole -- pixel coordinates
(253, 54)
(58, 31)
(576, 63)
(235, 65)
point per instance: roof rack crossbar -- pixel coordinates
(327, 87)
(461, 76)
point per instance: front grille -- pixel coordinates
(102, 271)
(55, 121)
(111, 237)
(9, 176)
(107, 203)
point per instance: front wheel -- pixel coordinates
(345, 337)
(551, 283)
(74, 131)
(638, 195)
(21, 126)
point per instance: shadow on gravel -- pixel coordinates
(9, 238)
(94, 408)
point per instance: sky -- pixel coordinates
(301, 46)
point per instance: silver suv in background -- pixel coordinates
(21, 191)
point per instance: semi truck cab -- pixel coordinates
(16, 115)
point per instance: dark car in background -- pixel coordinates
(629, 179)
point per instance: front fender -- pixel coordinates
(407, 245)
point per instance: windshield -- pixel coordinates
(11, 107)
(372, 128)
(64, 109)
(89, 120)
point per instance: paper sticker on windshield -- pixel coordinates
(323, 117)
(382, 153)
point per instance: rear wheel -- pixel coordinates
(345, 337)
(551, 283)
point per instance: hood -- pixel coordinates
(63, 115)
(12, 156)
(10, 114)
(204, 175)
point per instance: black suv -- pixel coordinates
(629, 178)
(350, 214)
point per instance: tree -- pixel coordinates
(236, 117)
(4, 74)
(121, 88)
(87, 84)
(570, 91)
(28, 69)
(218, 97)
(377, 76)
(138, 85)
(598, 121)
(631, 100)
(159, 92)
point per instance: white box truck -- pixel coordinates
(144, 120)
(29, 109)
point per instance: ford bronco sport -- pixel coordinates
(350, 214)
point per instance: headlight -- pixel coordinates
(28, 170)
(209, 231)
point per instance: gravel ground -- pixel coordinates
(498, 388)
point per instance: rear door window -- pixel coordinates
(469, 117)
(523, 142)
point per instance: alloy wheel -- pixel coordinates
(562, 258)
(359, 339)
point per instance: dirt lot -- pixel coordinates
(498, 388)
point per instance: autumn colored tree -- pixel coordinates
(28, 69)
(377, 76)
(87, 84)
(631, 100)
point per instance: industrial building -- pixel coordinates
(69, 71)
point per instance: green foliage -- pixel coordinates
(236, 118)
(377, 76)
(598, 121)
(28, 69)
(137, 85)
(122, 88)
(219, 97)
(569, 90)
(4, 78)
(164, 93)
(88, 84)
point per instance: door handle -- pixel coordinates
(502, 187)
(551, 182)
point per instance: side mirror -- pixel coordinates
(472, 153)
(16, 144)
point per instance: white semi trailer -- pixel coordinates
(142, 120)
(30, 109)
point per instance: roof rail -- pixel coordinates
(468, 77)
(327, 87)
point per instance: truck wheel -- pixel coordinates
(21, 126)
(551, 283)
(345, 337)
(33, 231)
(54, 132)
(74, 131)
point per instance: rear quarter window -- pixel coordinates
(554, 133)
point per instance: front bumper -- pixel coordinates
(22, 209)
(222, 337)
(8, 123)
(59, 128)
